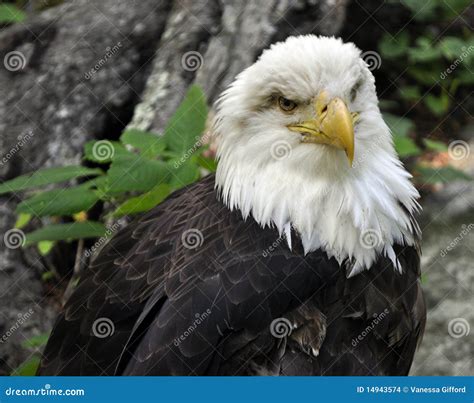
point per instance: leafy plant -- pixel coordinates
(9, 13)
(435, 66)
(431, 71)
(30, 366)
(406, 147)
(136, 174)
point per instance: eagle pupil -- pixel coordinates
(286, 104)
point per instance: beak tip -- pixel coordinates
(350, 157)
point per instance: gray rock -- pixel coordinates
(448, 282)
(25, 311)
(209, 43)
(71, 74)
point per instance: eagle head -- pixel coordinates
(302, 144)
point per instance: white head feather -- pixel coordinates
(265, 170)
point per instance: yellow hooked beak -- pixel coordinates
(333, 125)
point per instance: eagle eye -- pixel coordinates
(286, 104)
(354, 90)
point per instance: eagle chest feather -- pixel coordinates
(211, 307)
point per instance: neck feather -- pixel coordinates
(354, 215)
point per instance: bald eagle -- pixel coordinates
(299, 257)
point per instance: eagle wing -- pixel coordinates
(191, 288)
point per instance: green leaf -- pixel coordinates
(144, 202)
(394, 47)
(207, 163)
(410, 92)
(464, 76)
(47, 176)
(36, 341)
(68, 231)
(453, 8)
(421, 10)
(44, 247)
(399, 126)
(424, 52)
(28, 368)
(22, 220)
(434, 145)
(10, 13)
(149, 144)
(405, 146)
(95, 183)
(451, 47)
(424, 278)
(59, 202)
(103, 151)
(135, 173)
(447, 174)
(47, 275)
(438, 105)
(186, 126)
(428, 74)
(185, 174)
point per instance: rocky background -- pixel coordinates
(88, 69)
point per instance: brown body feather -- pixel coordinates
(209, 310)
